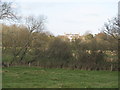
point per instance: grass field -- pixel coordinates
(34, 77)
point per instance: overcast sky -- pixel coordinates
(70, 16)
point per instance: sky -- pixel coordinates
(70, 16)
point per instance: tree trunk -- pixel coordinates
(111, 68)
(29, 64)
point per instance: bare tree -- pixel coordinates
(6, 10)
(113, 28)
(33, 25)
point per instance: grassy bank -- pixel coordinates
(34, 77)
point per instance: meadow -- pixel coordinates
(36, 77)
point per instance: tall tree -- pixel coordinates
(33, 24)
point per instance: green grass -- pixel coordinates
(34, 77)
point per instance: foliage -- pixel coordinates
(28, 44)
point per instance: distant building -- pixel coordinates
(71, 36)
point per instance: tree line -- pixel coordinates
(29, 45)
(22, 46)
